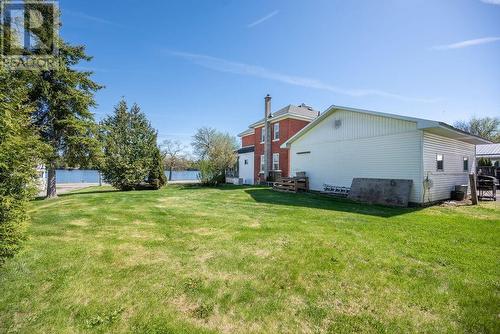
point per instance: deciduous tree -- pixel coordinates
(487, 127)
(173, 153)
(216, 153)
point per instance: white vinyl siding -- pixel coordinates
(355, 126)
(246, 167)
(361, 146)
(453, 173)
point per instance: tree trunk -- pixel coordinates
(170, 174)
(51, 183)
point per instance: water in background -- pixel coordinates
(77, 176)
(184, 175)
(92, 176)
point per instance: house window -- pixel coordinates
(276, 131)
(466, 164)
(439, 162)
(263, 135)
(276, 161)
(262, 163)
(246, 162)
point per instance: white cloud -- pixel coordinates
(465, 44)
(491, 2)
(262, 19)
(84, 16)
(222, 65)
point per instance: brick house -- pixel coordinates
(261, 158)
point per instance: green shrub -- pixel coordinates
(157, 178)
(131, 155)
(20, 152)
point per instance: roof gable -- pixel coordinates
(440, 128)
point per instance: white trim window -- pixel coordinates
(262, 163)
(263, 135)
(276, 161)
(276, 131)
(439, 162)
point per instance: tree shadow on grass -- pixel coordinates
(222, 187)
(80, 192)
(91, 192)
(325, 202)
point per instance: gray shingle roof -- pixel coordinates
(302, 110)
(488, 150)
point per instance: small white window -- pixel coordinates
(262, 163)
(263, 135)
(276, 131)
(466, 164)
(276, 161)
(439, 162)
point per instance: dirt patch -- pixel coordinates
(80, 222)
(262, 253)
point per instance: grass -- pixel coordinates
(235, 259)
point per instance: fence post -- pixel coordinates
(473, 188)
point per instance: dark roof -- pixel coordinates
(246, 149)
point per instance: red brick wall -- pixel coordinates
(247, 140)
(288, 127)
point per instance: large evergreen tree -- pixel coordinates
(62, 98)
(20, 152)
(131, 154)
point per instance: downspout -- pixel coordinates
(267, 138)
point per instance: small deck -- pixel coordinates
(291, 184)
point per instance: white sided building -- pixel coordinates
(346, 143)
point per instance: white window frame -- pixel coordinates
(437, 160)
(263, 135)
(276, 131)
(276, 161)
(262, 163)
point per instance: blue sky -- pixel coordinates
(194, 63)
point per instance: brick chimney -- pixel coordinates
(267, 139)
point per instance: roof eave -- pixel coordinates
(246, 133)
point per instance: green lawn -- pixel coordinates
(234, 259)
